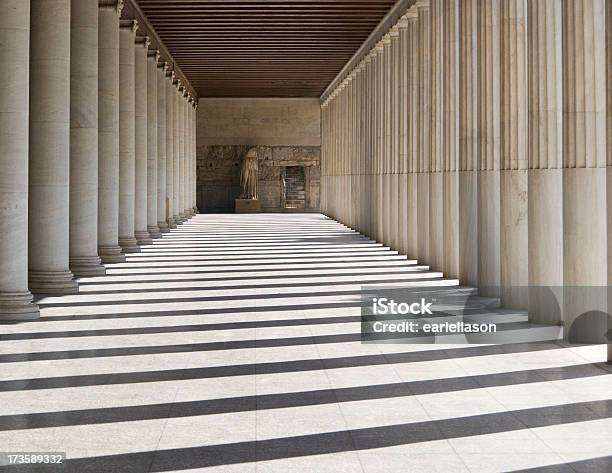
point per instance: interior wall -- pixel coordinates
(286, 132)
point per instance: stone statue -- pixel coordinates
(248, 175)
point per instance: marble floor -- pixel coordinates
(233, 345)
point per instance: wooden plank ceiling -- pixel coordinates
(275, 48)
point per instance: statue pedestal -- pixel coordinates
(245, 206)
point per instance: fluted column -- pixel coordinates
(127, 111)
(450, 141)
(424, 117)
(378, 212)
(404, 49)
(192, 148)
(469, 142)
(190, 204)
(194, 143)
(489, 101)
(161, 148)
(49, 142)
(585, 198)
(185, 164)
(108, 131)
(178, 218)
(436, 137)
(412, 121)
(545, 154)
(83, 238)
(170, 149)
(513, 179)
(181, 151)
(152, 59)
(141, 117)
(15, 298)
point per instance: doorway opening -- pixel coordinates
(294, 187)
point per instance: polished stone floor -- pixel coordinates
(233, 345)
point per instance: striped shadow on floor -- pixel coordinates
(233, 344)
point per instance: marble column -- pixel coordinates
(49, 142)
(489, 103)
(181, 151)
(140, 141)
(15, 298)
(127, 111)
(412, 121)
(513, 178)
(378, 211)
(170, 149)
(545, 155)
(178, 218)
(424, 117)
(162, 222)
(392, 128)
(194, 143)
(108, 131)
(585, 199)
(436, 138)
(450, 142)
(469, 142)
(404, 51)
(190, 153)
(152, 60)
(83, 237)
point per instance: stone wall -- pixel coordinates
(219, 175)
(286, 132)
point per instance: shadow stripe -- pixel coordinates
(294, 399)
(592, 465)
(264, 368)
(336, 442)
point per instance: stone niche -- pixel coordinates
(219, 175)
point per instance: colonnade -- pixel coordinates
(477, 137)
(97, 146)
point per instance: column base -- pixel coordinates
(129, 245)
(56, 283)
(111, 254)
(171, 223)
(84, 266)
(143, 238)
(195, 210)
(17, 306)
(154, 231)
(182, 217)
(177, 220)
(163, 227)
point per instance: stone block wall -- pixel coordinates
(286, 132)
(219, 175)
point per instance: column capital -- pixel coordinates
(143, 40)
(163, 65)
(133, 24)
(116, 5)
(170, 74)
(154, 54)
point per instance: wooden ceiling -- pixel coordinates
(274, 48)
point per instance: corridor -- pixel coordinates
(232, 344)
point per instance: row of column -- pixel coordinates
(477, 137)
(97, 146)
